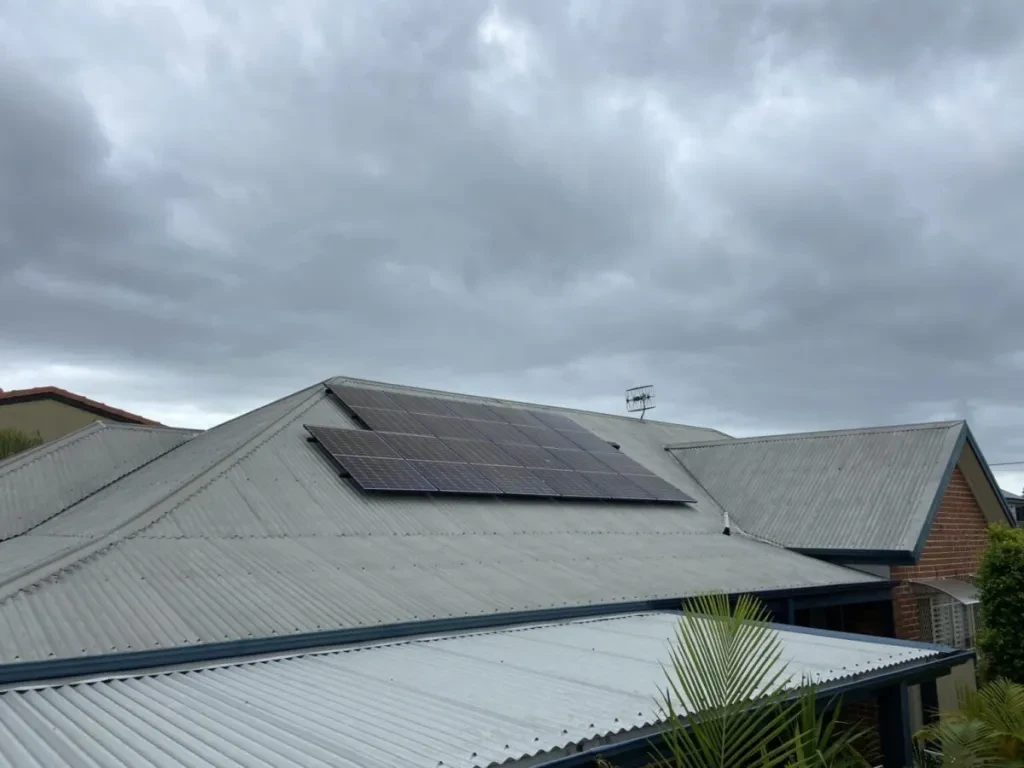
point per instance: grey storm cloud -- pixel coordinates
(787, 215)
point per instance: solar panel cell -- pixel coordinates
(452, 477)
(351, 442)
(568, 484)
(381, 420)
(617, 487)
(362, 396)
(581, 461)
(374, 474)
(621, 463)
(660, 489)
(533, 456)
(500, 432)
(518, 417)
(482, 452)
(420, 447)
(588, 441)
(420, 405)
(557, 421)
(516, 481)
(450, 426)
(547, 437)
(476, 411)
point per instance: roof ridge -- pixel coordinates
(520, 403)
(68, 560)
(820, 434)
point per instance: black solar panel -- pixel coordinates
(482, 452)
(519, 417)
(557, 421)
(420, 447)
(660, 489)
(588, 441)
(361, 396)
(500, 432)
(381, 420)
(418, 404)
(622, 464)
(517, 481)
(450, 426)
(567, 484)
(581, 461)
(471, 410)
(533, 456)
(373, 474)
(452, 477)
(617, 487)
(546, 437)
(351, 442)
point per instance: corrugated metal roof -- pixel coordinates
(246, 530)
(520, 695)
(41, 483)
(864, 489)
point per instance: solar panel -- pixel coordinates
(420, 405)
(547, 437)
(581, 461)
(451, 426)
(381, 420)
(557, 421)
(617, 487)
(420, 447)
(482, 452)
(450, 477)
(518, 417)
(471, 410)
(588, 441)
(361, 396)
(374, 474)
(660, 489)
(516, 481)
(351, 442)
(533, 456)
(621, 463)
(568, 484)
(500, 432)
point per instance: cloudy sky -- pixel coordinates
(786, 215)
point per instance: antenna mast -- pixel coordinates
(640, 399)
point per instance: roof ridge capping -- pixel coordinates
(403, 388)
(819, 434)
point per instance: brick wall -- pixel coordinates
(954, 548)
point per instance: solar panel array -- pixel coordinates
(415, 443)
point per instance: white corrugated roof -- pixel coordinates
(477, 699)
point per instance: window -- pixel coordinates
(949, 612)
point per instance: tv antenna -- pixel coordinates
(640, 399)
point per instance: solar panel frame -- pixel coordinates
(581, 461)
(456, 477)
(475, 411)
(588, 442)
(533, 456)
(482, 452)
(386, 420)
(623, 464)
(661, 488)
(363, 397)
(500, 432)
(420, 447)
(377, 474)
(558, 421)
(351, 442)
(515, 481)
(546, 437)
(421, 405)
(617, 487)
(568, 484)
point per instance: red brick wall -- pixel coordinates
(954, 548)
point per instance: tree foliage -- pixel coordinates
(14, 441)
(1001, 583)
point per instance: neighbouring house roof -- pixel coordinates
(508, 697)
(102, 410)
(860, 495)
(247, 531)
(40, 483)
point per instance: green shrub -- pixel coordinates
(14, 441)
(1001, 581)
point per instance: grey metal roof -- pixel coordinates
(523, 695)
(864, 489)
(38, 484)
(247, 531)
